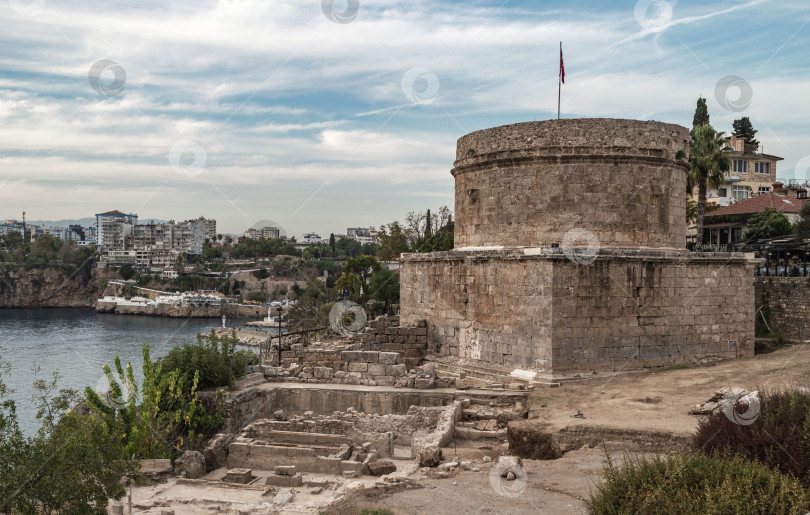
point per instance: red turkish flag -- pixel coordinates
(562, 66)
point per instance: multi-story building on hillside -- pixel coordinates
(749, 175)
(112, 228)
(362, 234)
(268, 233)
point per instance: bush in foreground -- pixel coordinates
(696, 483)
(779, 436)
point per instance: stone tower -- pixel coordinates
(569, 254)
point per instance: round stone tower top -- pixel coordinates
(529, 184)
(581, 136)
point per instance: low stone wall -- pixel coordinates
(259, 402)
(174, 311)
(325, 401)
(786, 302)
(371, 368)
(246, 406)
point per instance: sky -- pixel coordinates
(323, 115)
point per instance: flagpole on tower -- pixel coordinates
(559, 81)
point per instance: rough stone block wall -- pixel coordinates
(788, 302)
(370, 368)
(484, 306)
(385, 334)
(528, 184)
(627, 309)
(650, 311)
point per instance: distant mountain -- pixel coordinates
(84, 222)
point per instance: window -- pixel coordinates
(740, 166)
(764, 189)
(741, 192)
(760, 167)
(722, 192)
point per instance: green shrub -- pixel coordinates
(214, 356)
(778, 438)
(261, 273)
(696, 483)
(257, 296)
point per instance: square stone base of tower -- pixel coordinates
(555, 311)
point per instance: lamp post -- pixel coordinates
(279, 334)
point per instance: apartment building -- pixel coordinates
(748, 176)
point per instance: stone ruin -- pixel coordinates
(570, 255)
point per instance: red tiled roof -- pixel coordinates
(778, 201)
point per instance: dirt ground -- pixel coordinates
(637, 412)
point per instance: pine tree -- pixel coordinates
(743, 128)
(427, 224)
(701, 113)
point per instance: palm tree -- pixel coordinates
(709, 160)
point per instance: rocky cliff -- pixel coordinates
(48, 288)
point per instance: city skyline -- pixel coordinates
(332, 114)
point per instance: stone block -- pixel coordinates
(324, 372)
(285, 470)
(284, 480)
(238, 475)
(395, 370)
(389, 358)
(423, 383)
(376, 369)
(371, 356)
(358, 367)
(352, 356)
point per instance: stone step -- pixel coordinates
(472, 373)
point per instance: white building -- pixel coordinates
(311, 238)
(112, 227)
(362, 235)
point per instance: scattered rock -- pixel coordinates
(284, 496)
(279, 415)
(430, 457)
(510, 476)
(190, 465)
(379, 468)
(487, 459)
(722, 396)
